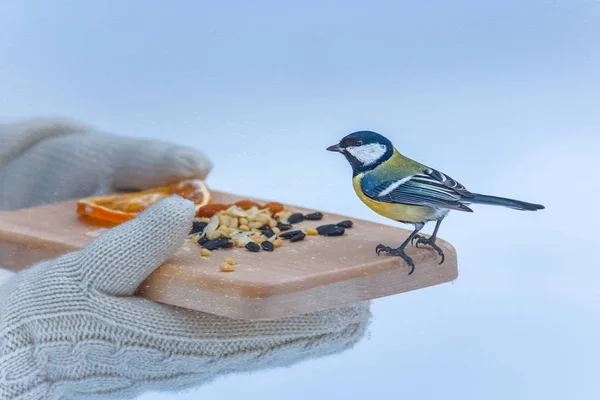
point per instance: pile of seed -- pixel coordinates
(257, 229)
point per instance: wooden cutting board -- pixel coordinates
(314, 274)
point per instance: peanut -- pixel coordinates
(311, 231)
(263, 218)
(231, 261)
(277, 242)
(244, 228)
(235, 211)
(213, 235)
(255, 225)
(226, 267)
(225, 230)
(241, 242)
(243, 221)
(223, 220)
(258, 239)
(283, 215)
(204, 252)
(195, 238)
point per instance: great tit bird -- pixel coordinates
(406, 191)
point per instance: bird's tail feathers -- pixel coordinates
(501, 201)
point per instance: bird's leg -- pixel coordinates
(431, 240)
(381, 248)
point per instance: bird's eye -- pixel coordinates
(359, 143)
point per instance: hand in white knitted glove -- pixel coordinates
(44, 161)
(70, 328)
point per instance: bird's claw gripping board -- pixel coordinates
(314, 274)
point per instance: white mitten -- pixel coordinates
(70, 328)
(45, 160)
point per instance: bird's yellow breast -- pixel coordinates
(394, 211)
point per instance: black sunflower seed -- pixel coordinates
(219, 243)
(297, 237)
(267, 231)
(289, 235)
(331, 230)
(296, 218)
(284, 227)
(253, 247)
(268, 246)
(314, 216)
(345, 224)
(202, 240)
(198, 227)
(323, 228)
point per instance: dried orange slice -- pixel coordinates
(123, 207)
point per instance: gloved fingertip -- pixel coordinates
(172, 203)
(172, 217)
(189, 163)
(147, 164)
(118, 261)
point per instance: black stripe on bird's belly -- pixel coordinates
(411, 222)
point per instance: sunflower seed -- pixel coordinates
(314, 216)
(198, 227)
(345, 224)
(331, 230)
(253, 247)
(219, 243)
(267, 231)
(284, 227)
(296, 218)
(289, 235)
(268, 246)
(297, 237)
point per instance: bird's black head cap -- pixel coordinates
(364, 150)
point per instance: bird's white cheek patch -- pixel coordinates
(369, 153)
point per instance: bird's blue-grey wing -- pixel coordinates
(448, 182)
(418, 190)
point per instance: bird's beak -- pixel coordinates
(335, 147)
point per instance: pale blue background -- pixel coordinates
(502, 95)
